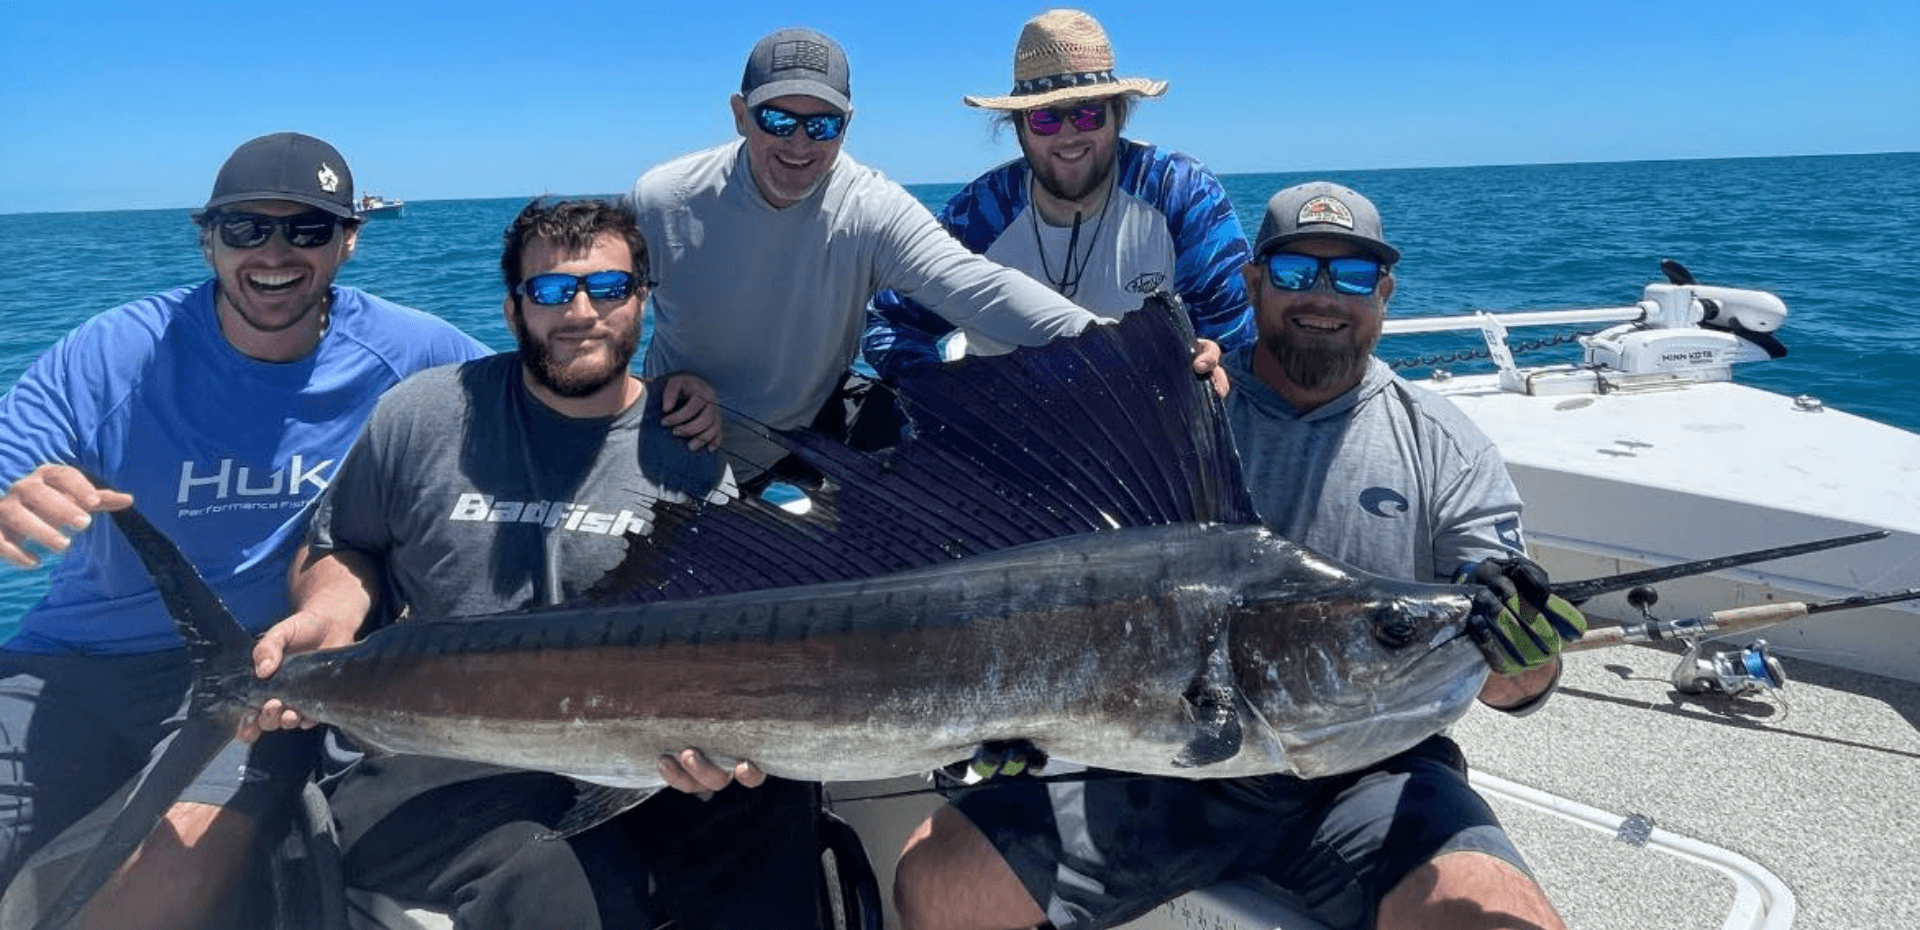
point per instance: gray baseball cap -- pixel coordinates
(797, 61)
(1319, 209)
(285, 166)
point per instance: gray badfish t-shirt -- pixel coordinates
(1388, 477)
(480, 499)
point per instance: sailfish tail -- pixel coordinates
(218, 647)
(195, 745)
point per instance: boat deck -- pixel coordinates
(1819, 793)
(1761, 817)
(1764, 815)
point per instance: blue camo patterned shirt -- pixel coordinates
(1168, 223)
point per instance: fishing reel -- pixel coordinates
(1705, 669)
(1733, 672)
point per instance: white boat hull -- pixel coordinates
(1617, 482)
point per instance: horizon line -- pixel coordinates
(1219, 174)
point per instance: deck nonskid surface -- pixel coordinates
(1822, 794)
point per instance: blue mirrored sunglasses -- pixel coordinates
(820, 127)
(552, 290)
(1291, 271)
(309, 230)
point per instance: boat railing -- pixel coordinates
(1512, 319)
(1677, 333)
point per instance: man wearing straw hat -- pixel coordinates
(1100, 219)
(766, 251)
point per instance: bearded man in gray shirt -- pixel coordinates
(513, 482)
(1346, 457)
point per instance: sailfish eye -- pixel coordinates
(1393, 627)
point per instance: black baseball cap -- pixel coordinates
(1319, 209)
(797, 61)
(285, 166)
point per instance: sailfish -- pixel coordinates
(1062, 552)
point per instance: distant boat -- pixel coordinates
(373, 206)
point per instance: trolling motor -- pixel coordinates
(1685, 326)
(1751, 318)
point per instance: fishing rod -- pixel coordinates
(1730, 620)
(1732, 672)
(1575, 592)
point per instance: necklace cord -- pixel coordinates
(1068, 284)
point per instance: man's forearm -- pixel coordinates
(1523, 692)
(340, 587)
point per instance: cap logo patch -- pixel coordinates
(800, 54)
(329, 181)
(1324, 209)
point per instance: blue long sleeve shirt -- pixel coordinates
(224, 453)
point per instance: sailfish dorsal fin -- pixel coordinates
(1091, 433)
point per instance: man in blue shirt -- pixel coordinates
(221, 409)
(1100, 219)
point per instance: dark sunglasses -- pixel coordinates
(552, 290)
(820, 127)
(1085, 118)
(1291, 271)
(309, 230)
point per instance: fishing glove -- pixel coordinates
(999, 759)
(1517, 620)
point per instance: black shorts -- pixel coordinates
(466, 839)
(1102, 851)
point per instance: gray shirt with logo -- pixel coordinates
(479, 499)
(1388, 477)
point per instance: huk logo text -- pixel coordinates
(228, 485)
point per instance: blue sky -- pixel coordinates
(123, 104)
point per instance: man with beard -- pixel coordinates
(511, 483)
(1355, 462)
(767, 250)
(1100, 219)
(221, 409)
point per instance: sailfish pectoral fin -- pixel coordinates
(1214, 709)
(595, 804)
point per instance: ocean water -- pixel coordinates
(1836, 237)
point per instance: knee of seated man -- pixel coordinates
(949, 868)
(924, 856)
(1462, 887)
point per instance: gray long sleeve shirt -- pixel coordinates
(768, 304)
(1388, 477)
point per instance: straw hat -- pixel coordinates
(1064, 55)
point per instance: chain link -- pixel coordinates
(1468, 355)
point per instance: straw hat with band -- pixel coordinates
(1063, 56)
